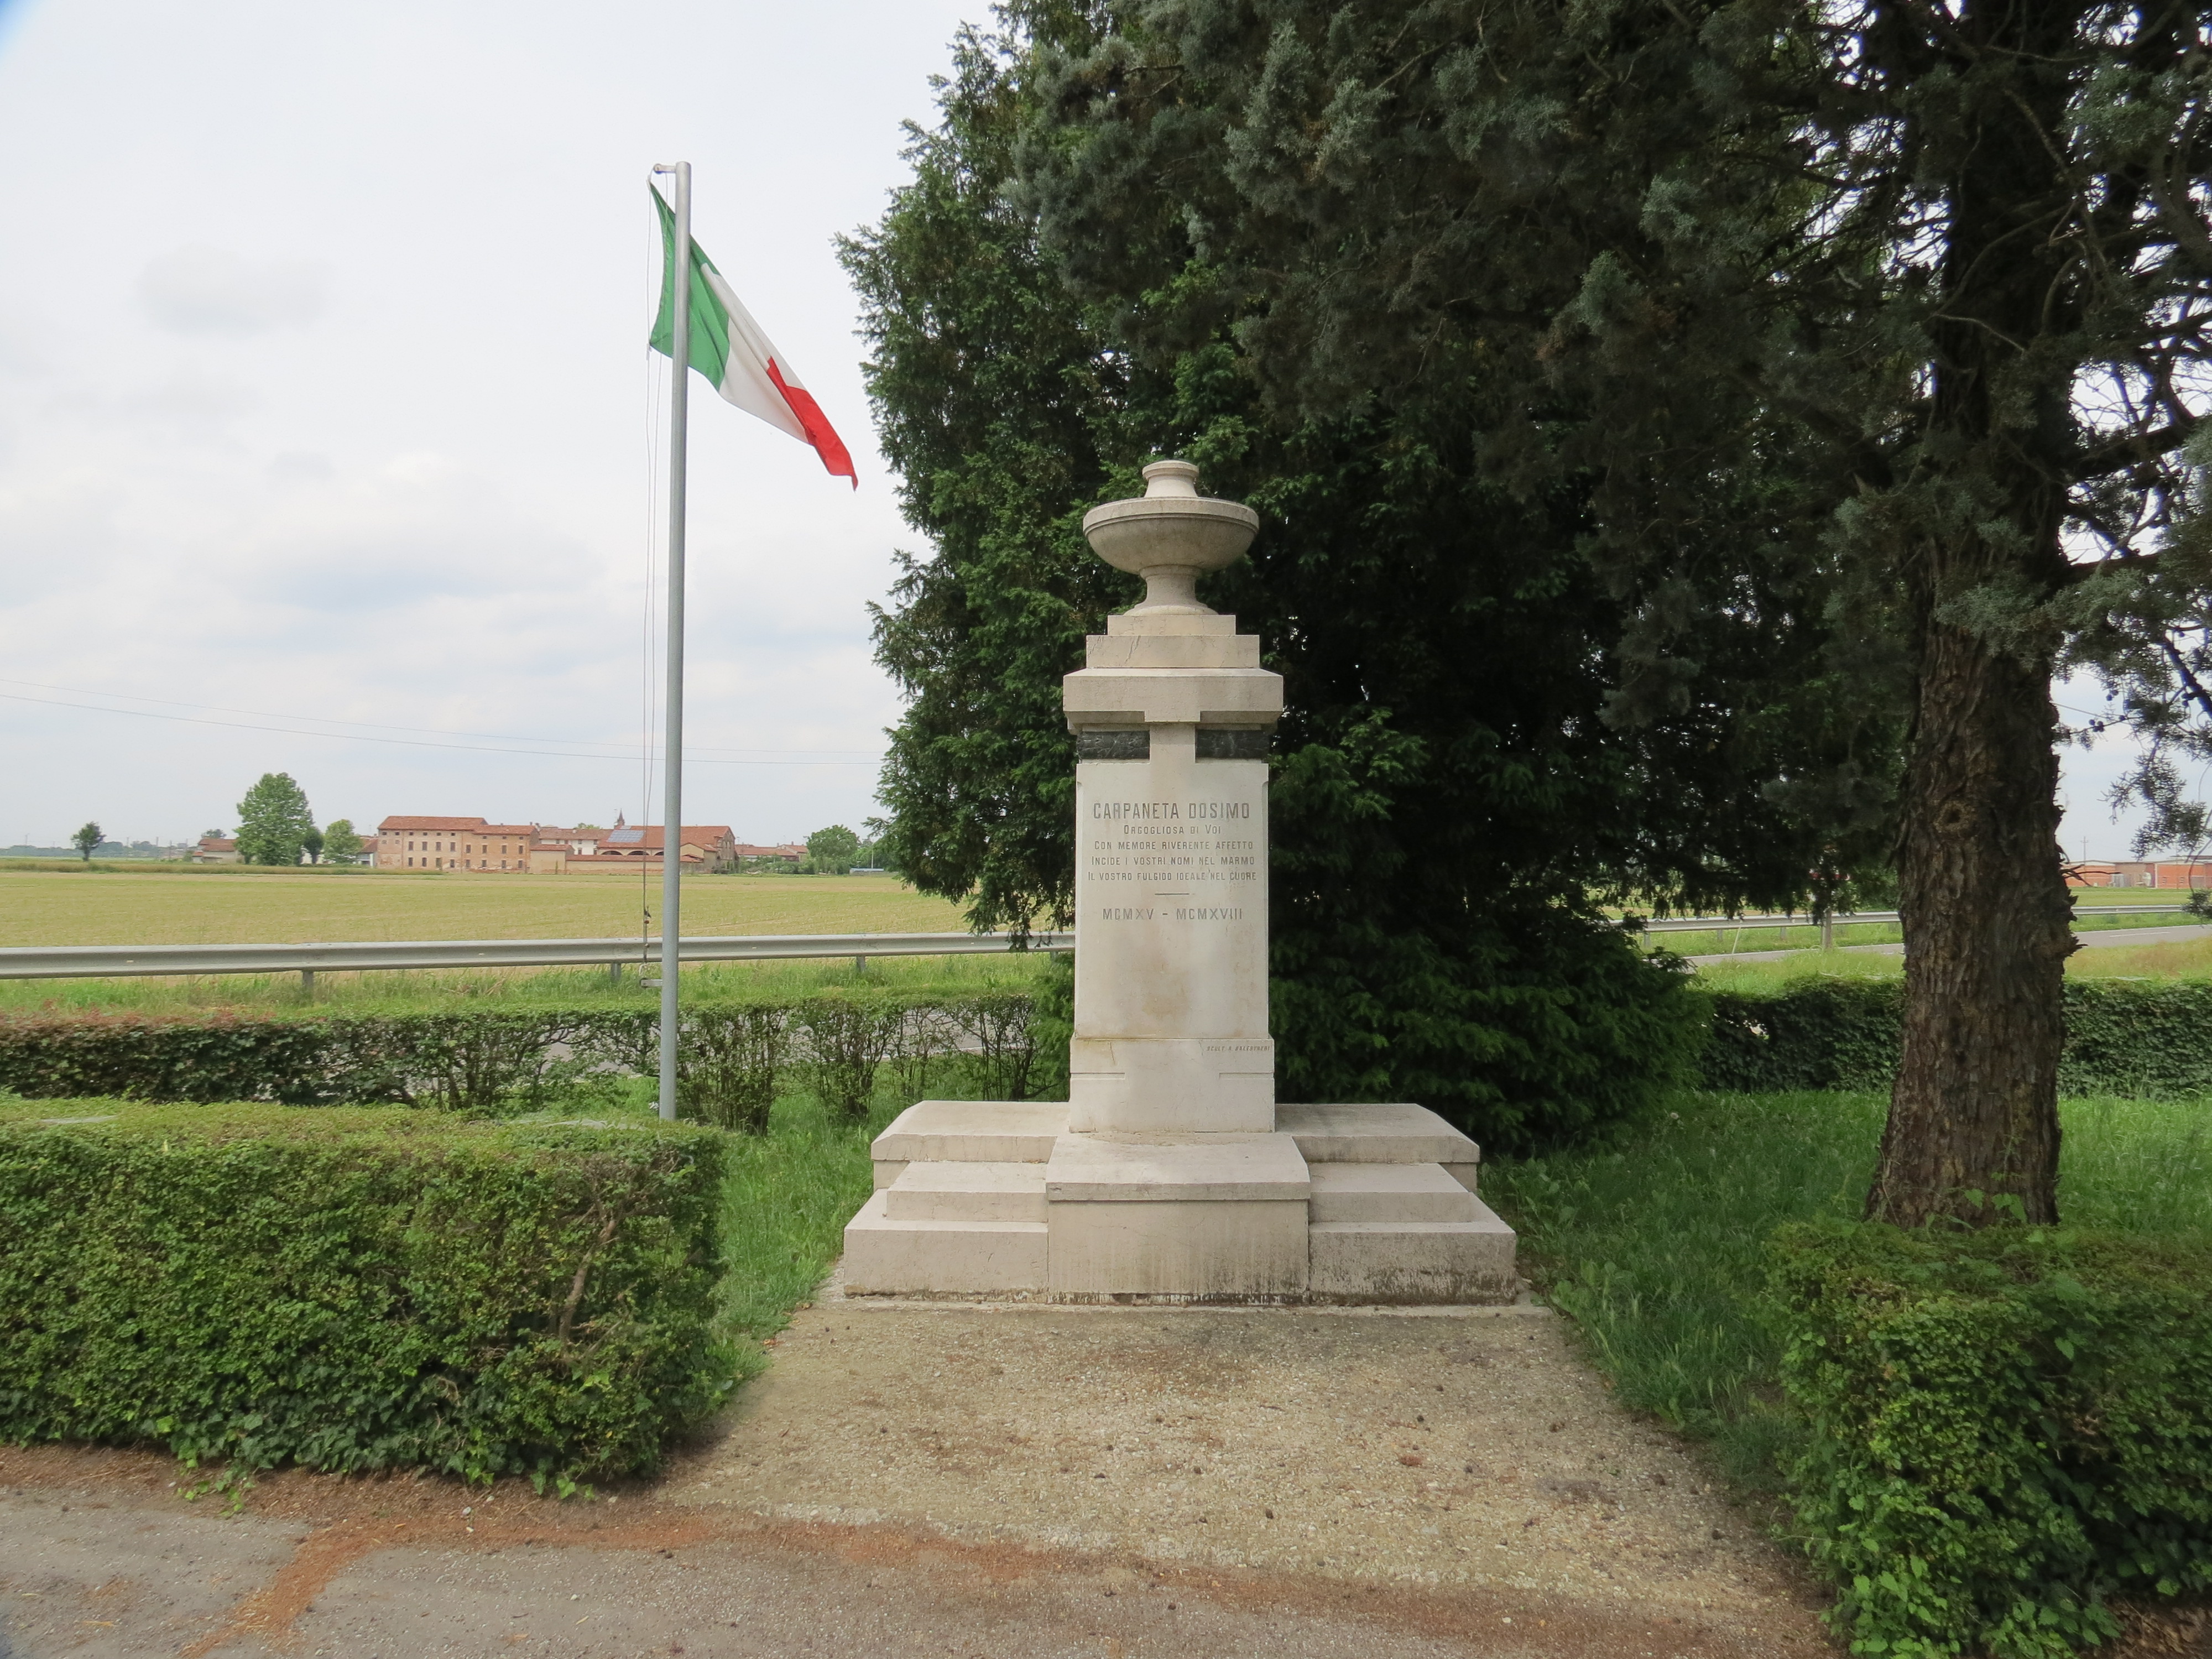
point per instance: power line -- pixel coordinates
(410, 743)
(378, 726)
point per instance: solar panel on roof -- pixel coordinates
(626, 835)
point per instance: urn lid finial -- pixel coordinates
(1171, 536)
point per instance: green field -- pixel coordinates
(115, 906)
(2187, 958)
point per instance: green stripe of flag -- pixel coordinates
(710, 323)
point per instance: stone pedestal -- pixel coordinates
(1171, 879)
(1170, 1173)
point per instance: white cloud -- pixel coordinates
(206, 290)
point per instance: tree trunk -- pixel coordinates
(1973, 1117)
(1972, 1134)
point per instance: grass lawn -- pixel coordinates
(1651, 1242)
(283, 907)
(790, 1194)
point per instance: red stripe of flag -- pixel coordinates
(819, 433)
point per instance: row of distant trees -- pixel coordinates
(837, 851)
(275, 825)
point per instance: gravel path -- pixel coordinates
(998, 1482)
(1468, 1448)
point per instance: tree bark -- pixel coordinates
(1973, 1117)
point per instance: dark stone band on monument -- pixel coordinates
(1233, 743)
(1115, 745)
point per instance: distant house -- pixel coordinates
(751, 854)
(2142, 872)
(429, 843)
(433, 843)
(626, 846)
(216, 849)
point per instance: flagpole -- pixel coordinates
(672, 817)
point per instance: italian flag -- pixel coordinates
(728, 347)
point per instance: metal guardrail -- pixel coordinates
(118, 961)
(1884, 918)
(122, 961)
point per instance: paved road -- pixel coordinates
(2094, 938)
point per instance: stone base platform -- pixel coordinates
(1340, 1203)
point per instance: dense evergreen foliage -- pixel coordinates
(1454, 791)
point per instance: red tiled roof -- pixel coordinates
(647, 836)
(453, 827)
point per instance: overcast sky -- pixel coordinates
(324, 405)
(324, 399)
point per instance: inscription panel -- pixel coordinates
(1171, 895)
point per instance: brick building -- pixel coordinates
(2142, 872)
(424, 843)
(436, 843)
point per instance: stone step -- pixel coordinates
(1186, 1169)
(1388, 1193)
(968, 1131)
(1401, 1262)
(967, 1191)
(1392, 1133)
(885, 1257)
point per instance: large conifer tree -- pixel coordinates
(1943, 267)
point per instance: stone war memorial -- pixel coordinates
(1170, 1173)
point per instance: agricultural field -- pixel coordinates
(2151, 909)
(2185, 958)
(227, 906)
(230, 906)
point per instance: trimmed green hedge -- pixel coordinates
(2007, 1426)
(2123, 1038)
(358, 1290)
(479, 1061)
(490, 1062)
